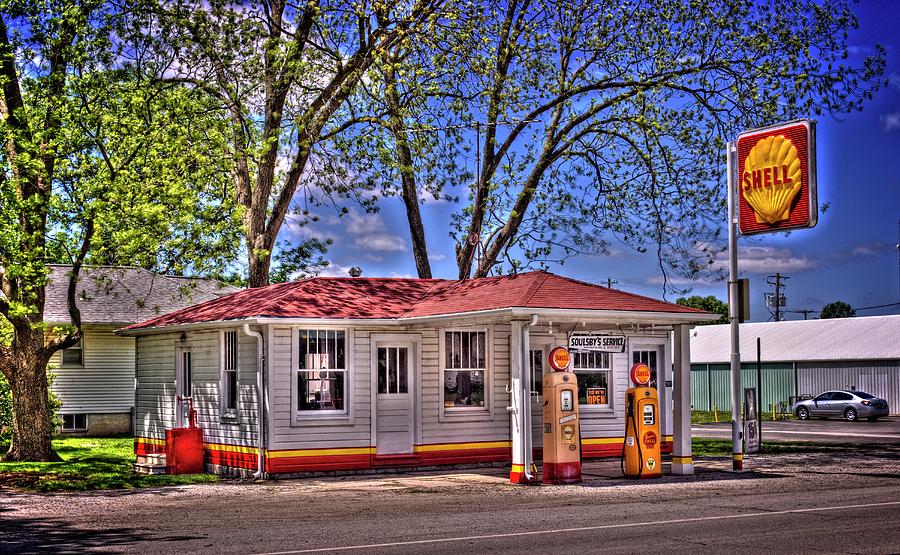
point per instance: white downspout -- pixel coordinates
(527, 455)
(260, 410)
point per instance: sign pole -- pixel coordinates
(737, 457)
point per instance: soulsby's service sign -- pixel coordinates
(604, 343)
(777, 178)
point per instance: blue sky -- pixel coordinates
(850, 256)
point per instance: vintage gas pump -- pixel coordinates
(641, 456)
(562, 442)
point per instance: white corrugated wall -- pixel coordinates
(880, 378)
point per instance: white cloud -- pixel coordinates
(890, 122)
(680, 281)
(363, 224)
(382, 242)
(437, 257)
(761, 260)
(335, 270)
(404, 276)
(871, 249)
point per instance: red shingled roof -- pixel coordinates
(388, 298)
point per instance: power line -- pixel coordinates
(877, 306)
(778, 299)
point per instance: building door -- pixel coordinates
(183, 386)
(394, 399)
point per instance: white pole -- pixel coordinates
(737, 457)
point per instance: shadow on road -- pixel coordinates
(41, 535)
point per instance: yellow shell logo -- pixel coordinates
(771, 179)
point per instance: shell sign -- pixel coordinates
(777, 178)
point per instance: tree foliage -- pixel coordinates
(837, 309)
(601, 121)
(98, 165)
(709, 303)
(279, 71)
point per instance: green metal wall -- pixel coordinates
(711, 384)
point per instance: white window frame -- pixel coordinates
(225, 412)
(609, 407)
(474, 413)
(337, 416)
(79, 346)
(63, 428)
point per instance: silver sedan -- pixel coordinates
(850, 405)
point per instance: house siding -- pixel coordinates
(103, 385)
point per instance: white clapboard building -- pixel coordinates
(359, 373)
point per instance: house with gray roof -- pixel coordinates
(94, 379)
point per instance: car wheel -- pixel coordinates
(850, 415)
(803, 413)
(872, 419)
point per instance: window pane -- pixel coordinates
(392, 370)
(537, 371)
(340, 357)
(71, 356)
(231, 389)
(382, 370)
(320, 390)
(304, 348)
(597, 383)
(463, 388)
(403, 370)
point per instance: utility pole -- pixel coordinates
(776, 301)
(610, 281)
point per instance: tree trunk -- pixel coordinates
(32, 426)
(259, 269)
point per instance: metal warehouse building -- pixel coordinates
(798, 358)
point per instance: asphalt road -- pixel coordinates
(842, 501)
(884, 431)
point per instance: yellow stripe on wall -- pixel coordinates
(461, 446)
(150, 441)
(518, 468)
(322, 452)
(737, 456)
(682, 460)
(230, 448)
(603, 441)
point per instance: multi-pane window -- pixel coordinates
(536, 364)
(465, 366)
(74, 355)
(322, 372)
(229, 383)
(592, 370)
(74, 422)
(393, 370)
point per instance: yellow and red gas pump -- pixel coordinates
(562, 441)
(641, 455)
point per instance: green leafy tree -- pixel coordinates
(97, 166)
(279, 72)
(600, 121)
(709, 304)
(837, 309)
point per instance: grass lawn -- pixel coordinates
(707, 417)
(88, 463)
(707, 447)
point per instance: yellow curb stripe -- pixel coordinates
(461, 446)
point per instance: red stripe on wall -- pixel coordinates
(277, 465)
(467, 456)
(601, 450)
(143, 448)
(230, 458)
